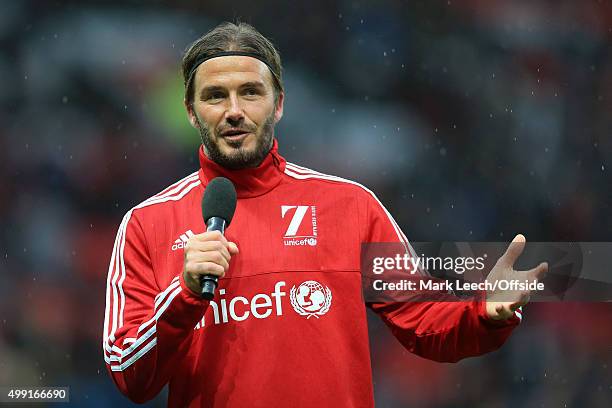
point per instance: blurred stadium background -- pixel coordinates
(472, 120)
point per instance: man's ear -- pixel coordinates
(278, 109)
(191, 114)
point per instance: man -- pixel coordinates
(288, 323)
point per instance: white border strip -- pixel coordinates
(116, 277)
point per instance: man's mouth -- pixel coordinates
(234, 135)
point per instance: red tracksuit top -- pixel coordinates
(288, 324)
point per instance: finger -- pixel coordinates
(502, 311)
(233, 248)
(515, 249)
(521, 302)
(211, 236)
(538, 272)
(209, 246)
(206, 268)
(211, 256)
(507, 312)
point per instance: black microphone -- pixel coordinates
(218, 206)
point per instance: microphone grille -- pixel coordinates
(219, 200)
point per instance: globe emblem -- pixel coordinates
(310, 299)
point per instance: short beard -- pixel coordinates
(240, 159)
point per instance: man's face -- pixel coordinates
(234, 110)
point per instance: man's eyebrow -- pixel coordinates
(255, 84)
(215, 88)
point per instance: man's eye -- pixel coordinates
(214, 95)
(251, 91)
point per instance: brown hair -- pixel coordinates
(231, 37)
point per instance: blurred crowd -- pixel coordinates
(472, 120)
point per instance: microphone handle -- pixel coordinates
(209, 282)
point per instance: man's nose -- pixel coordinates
(234, 114)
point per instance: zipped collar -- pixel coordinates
(251, 182)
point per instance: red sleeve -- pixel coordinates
(147, 329)
(444, 331)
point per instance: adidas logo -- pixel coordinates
(182, 240)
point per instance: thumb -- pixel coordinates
(515, 249)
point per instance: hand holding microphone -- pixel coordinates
(207, 255)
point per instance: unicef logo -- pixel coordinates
(311, 299)
(312, 241)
